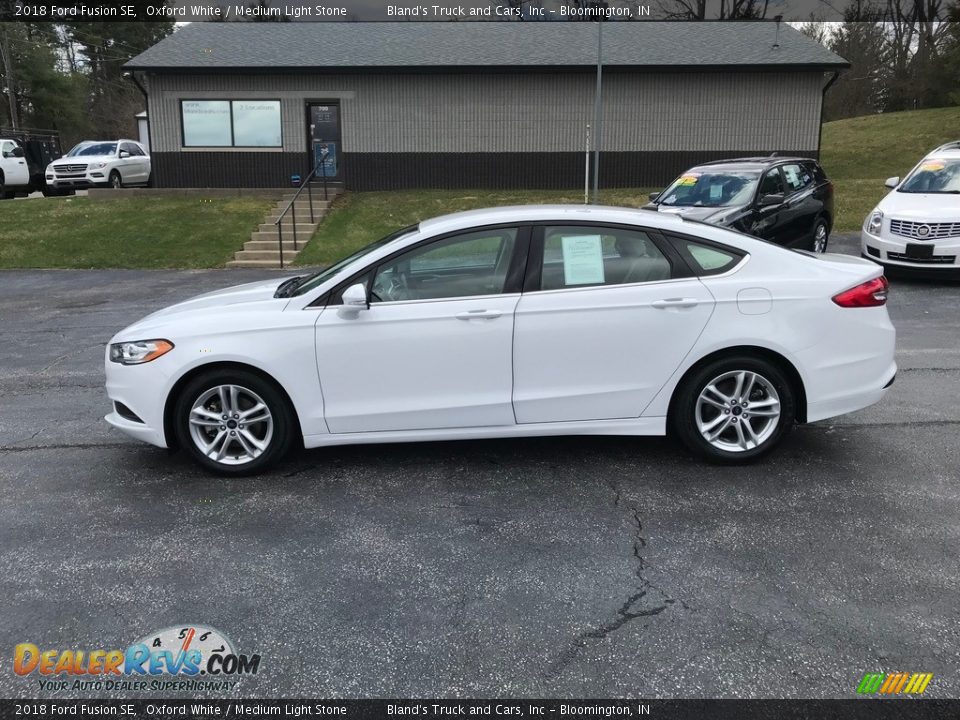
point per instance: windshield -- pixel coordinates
(93, 149)
(321, 277)
(934, 176)
(706, 188)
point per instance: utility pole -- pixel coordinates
(8, 78)
(598, 116)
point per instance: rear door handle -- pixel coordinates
(479, 315)
(675, 302)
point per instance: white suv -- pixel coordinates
(113, 163)
(918, 224)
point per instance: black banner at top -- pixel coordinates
(436, 11)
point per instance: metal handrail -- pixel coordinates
(292, 208)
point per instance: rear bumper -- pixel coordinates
(857, 399)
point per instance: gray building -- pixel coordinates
(461, 105)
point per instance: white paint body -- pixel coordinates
(16, 172)
(596, 360)
(938, 213)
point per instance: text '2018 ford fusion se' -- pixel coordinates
(519, 321)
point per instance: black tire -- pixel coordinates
(116, 182)
(819, 226)
(278, 444)
(684, 409)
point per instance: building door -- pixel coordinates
(323, 137)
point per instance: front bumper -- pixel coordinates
(86, 180)
(138, 391)
(892, 250)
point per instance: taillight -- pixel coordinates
(870, 294)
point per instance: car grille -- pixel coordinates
(67, 169)
(924, 230)
(932, 260)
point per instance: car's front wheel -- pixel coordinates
(116, 182)
(734, 409)
(234, 422)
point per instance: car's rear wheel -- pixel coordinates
(116, 182)
(734, 409)
(234, 422)
(821, 234)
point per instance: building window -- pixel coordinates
(231, 123)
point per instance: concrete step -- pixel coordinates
(317, 197)
(303, 229)
(254, 263)
(272, 245)
(303, 211)
(265, 255)
(273, 235)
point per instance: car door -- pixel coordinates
(801, 207)
(434, 348)
(766, 218)
(15, 169)
(143, 158)
(127, 164)
(607, 315)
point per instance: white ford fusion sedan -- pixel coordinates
(509, 322)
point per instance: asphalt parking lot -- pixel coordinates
(584, 567)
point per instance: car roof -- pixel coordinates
(549, 213)
(947, 150)
(752, 163)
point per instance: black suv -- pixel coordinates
(788, 201)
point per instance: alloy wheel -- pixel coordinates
(737, 411)
(820, 239)
(231, 424)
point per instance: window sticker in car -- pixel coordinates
(582, 259)
(932, 166)
(689, 179)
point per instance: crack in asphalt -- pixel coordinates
(633, 608)
(66, 446)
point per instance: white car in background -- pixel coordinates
(514, 322)
(917, 225)
(110, 163)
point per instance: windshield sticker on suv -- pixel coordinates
(689, 179)
(932, 166)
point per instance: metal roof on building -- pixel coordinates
(436, 46)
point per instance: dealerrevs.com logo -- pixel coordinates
(187, 657)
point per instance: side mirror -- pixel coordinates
(771, 200)
(654, 196)
(17, 152)
(892, 182)
(124, 154)
(355, 297)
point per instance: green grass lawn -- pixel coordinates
(860, 153)
(360, 218)
(126, 233)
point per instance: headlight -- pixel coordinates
(101, 164)
(874, 222)
(139, 351)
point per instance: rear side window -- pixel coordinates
(587, 255)
(796, 176)
(707, 258)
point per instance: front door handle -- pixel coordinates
(479, 315)
(675, 303)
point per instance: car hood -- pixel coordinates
(83, 159)
(922, 206)
(239, 298)
(715, 215)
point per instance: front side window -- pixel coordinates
(466, 265)
(231, 123)
(772, 183)
(941, 176)
(589, 256)
(717, 188)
